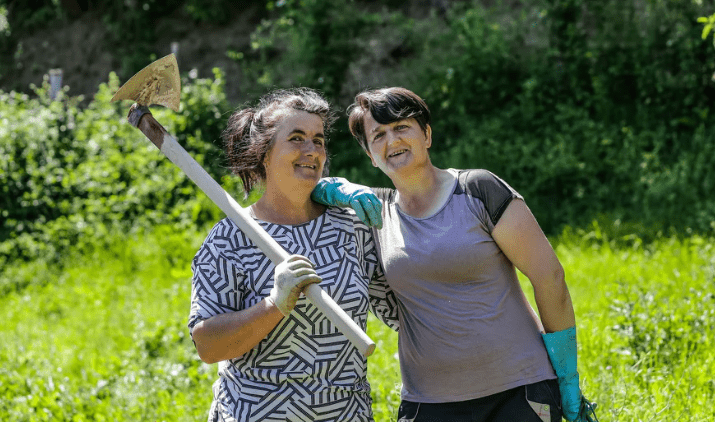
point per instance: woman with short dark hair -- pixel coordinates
(471, 348)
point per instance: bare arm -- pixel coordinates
(230, 335)
(520, 238)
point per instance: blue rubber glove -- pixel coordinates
(339, 192)
(561, 347)
(587, 413)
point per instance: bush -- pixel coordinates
(586, 108)
(589, 109)
(72, 175)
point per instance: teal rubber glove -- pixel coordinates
(339, 192)
(561, 347)
(587, 412)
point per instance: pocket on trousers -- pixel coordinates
(407, 411)
(545, 399)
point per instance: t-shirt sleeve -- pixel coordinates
(217, 285)
(493, 192)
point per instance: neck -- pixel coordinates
(276, 206)
(423, 191)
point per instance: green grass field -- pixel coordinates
(104, 338)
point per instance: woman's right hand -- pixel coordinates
(290, 279)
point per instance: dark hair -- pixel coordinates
(386, 105)
(251, 132)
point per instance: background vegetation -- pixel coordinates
(598, 112)
(103, 337)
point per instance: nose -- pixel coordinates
(392, 137)
(310, 148)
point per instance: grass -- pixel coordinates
(104, 337)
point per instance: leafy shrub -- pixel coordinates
(592, 110)
(603, 110)
(70, 175)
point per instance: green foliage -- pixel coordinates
(105, 336)
(309, 43)
(70, 175)
(589, 109)
(586, 108)
(592, 110)
(645, 318)
(131, 30)
(106, 339)
(30, 15)
(129, 24)
(216, 12)
(708, 24)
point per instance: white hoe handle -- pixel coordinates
(178, 155)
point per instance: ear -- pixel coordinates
(428, 134)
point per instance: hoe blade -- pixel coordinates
(158, 83)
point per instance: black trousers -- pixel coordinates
(538, 402)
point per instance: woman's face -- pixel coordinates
(298, 152)
(399, 146)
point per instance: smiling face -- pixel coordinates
(298, 152)
(397, 147)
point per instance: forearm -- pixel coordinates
(230, 335)
(554, 302)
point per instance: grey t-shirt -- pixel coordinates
(466, 329)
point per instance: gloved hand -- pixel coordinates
(587, 413)
(561, 347)
(339, 192)
(290, 278)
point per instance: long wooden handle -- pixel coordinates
(142, 119)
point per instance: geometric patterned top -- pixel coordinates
(305, 369)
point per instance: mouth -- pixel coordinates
(396, 153)
(307, 166)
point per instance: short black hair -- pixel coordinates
(386, 105)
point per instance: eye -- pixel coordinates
(295, 139)
(319, 142)
(401, 127)
(378, 136)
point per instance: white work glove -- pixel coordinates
(290, 278)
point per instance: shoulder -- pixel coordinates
(224, 231)
(344, 218)
(224, 236)
(340, 214)
(494, 193)
(481, 182)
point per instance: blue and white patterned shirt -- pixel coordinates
(305, 369)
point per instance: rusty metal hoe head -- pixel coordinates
(158, 83)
